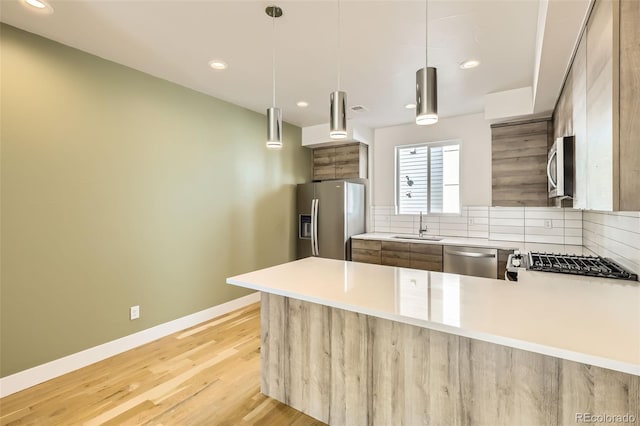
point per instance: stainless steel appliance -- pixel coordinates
(475, 261)
(560, 168)
(593, 266)
(329, 213)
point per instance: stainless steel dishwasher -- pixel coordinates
(475, 261)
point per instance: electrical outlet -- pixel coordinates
(470, 221)
(134, 312)
(548, 224)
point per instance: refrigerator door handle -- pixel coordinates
(315, 228)
(313, 231)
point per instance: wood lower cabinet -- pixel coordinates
(503, 256)
(426, 256)
(366, 251)
(340, 162)
(396, 254)
(404, 254)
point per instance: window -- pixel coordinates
(428, 178)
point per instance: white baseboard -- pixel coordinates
(41, 373)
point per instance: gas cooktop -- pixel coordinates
(594, 266)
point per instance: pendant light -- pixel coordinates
(274, 115)
(338, 101)
(426, 84)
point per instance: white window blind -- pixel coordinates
(428, 178)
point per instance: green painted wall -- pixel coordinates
(121, 189)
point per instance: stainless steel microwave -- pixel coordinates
(560, 168)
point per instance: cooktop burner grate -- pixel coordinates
(594, 266)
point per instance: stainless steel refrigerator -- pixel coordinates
(329, 213)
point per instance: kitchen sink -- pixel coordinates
(411, 237)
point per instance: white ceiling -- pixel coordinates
(382, 46)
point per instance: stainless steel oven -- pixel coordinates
(560, 168)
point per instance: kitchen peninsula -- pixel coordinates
(354, 343)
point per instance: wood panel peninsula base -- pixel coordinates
(347, 368)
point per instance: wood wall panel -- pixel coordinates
(381, 372)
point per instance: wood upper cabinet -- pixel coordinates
(519, 161)
(600, 106)
(340, 162)
(600, 100)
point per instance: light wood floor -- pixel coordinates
(206, 375)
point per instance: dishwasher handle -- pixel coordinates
(470, 254)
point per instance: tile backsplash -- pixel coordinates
(614, 235)
(528, 224)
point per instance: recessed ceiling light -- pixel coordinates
(472, 63)
(303, 104)
(38, 6)
(410, 106)
(218, 64)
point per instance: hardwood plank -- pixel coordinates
(208, 374)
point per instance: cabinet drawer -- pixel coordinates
(393, 246)
(395, 259)
(365, 244)
(365, 256)
(427, 265)
(435, 249)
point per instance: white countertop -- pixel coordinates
(480, 242)
(589, 320)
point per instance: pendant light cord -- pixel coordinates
(339, 52)
(273, 57)
(426, 33)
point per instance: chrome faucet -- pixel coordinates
(422, 230)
